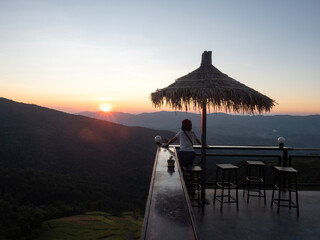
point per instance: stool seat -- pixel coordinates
(256, 163)
(226, 166)
(286, 169)
(194, 169)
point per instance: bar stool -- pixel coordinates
(226, 185)
(255, 184)
(193, 180)
(283, 182)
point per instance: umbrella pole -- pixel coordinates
(203, 149)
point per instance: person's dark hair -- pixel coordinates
(186, 125)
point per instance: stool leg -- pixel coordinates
(264, 187)
(186, 178)
(280, 189)
(245, 181)
(260, 183)
(274, 186)
(222, 191)
(249, 184)
(215, 188)
(202, 198)
(236, 181)
(289, 186)
(198, 186)
(203, 191)
(229, 185)
(297, 200)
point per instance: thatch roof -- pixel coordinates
(220, 91)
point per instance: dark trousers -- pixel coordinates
(186, 158)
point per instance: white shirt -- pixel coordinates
(185, 144)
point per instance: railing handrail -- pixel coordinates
(251, 147)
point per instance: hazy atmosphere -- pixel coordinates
(110, 55)
(101, 135)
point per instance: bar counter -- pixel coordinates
(168, 212)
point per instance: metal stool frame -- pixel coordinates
(258, 181)
(194, 185)
(228, 185)
(283, 182)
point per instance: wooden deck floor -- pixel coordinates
(257, 221)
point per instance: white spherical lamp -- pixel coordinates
(157, 139)
(281, 141)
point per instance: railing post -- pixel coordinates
(284, 158)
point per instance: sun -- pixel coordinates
(106, 107)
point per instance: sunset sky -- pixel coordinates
(82, 55)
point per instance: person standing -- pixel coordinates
(186, 138)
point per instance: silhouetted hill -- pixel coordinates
(46, 139)
(54, 164)
(299, 131)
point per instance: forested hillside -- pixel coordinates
(54, 164)
(45, 139)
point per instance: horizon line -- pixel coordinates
(198, 113)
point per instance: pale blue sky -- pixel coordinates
(76, 55)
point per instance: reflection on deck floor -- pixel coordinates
(258, 221)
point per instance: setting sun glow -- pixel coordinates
(106, 107)
(53, 55)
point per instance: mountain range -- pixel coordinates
(45, 139)
(227, 129)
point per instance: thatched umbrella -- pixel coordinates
(207, 87)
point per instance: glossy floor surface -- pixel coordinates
(258, 221)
